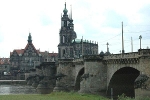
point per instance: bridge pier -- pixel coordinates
(142, 86)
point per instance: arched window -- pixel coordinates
(65, 23)
(63, 39)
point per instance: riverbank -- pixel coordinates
(10, 82)
(53, 96)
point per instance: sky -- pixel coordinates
(95, 20)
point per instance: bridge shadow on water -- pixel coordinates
(123, 82)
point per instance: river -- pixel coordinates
(17, 89)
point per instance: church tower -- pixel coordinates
(66, 36)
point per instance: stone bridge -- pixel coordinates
(122, 70)
(100, 74)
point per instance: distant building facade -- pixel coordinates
(69, 46)
(4, 66)
(28, 58)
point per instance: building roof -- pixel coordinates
(84, 41)
(48, 54)
(4, 61)
(78, 41)
(53, 54)
(19, 51)
(37, 51)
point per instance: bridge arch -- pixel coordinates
(122, 81)
(78, 79)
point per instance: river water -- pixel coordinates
(17, 89)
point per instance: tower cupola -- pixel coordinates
(65, 10)
(29, 38)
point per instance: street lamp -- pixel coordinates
(140, 37)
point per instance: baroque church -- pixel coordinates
(69, 46)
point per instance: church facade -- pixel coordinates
(69, 46)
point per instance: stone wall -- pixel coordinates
(96, 80)
(97, 71)
(141, 93)
(87, 75)
(65, 83)
(48, 68)
(39, 71)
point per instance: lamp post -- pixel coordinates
(140, 37)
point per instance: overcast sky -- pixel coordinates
(95, 20)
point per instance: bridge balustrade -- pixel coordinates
(78, 60)
(119, 56)
(144, 52)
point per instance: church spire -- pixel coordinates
(29, 38)
(65, 5)
(71, 12)
(65, 10)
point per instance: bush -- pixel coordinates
(124, 97)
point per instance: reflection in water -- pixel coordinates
(16, 89)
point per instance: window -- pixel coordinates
(45, 60)
(63, 52)
(63, 39)
(65, 23)
(59, 52)
(62, 24)
(71, 52)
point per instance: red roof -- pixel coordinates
(49, 54)
(37, 51)
(4, 61)
(20, 51)
(53, 54)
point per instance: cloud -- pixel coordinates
(94, 20)
(145, 14)
(113, 19)
(45, 20)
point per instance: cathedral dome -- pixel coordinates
(107, 53)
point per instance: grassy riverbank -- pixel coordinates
(53, 96)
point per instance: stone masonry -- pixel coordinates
(98, 70)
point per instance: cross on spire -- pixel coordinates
(107, 47)
(65, 5)
(140, 37)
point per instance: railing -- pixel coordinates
(78, 60)
(125, 55)
(144, 52)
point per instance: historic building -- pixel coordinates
(29, 57)
(48, 57)
(4, 66)
(69, 46)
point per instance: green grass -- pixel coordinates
(124, 97)
(53, 96)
